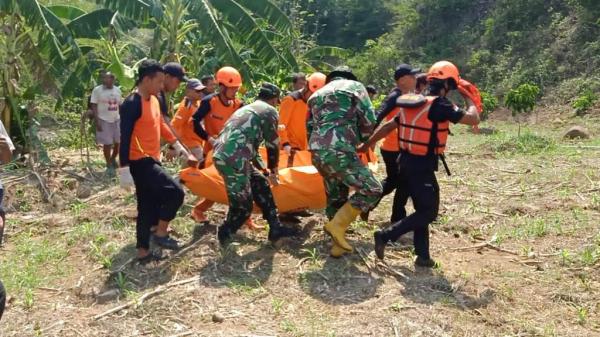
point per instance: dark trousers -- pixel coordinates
(2, 299)
(158, 197)
(392, 182)
(243, 189)
(1, 198)
(423, 189)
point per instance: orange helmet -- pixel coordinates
(316, 81)
(444, 70)
(229, 77)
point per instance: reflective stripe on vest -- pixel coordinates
(415, 131)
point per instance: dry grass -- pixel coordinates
(536, 207)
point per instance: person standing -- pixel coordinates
(237, 159)
(423, 126)
(341, 117)
(105, 101)
(209, 82)
(174, 76)
(159, 197)
(182, 121)
(6, 149)
(298, 81)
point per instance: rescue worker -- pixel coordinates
(158, 195)
(210, 118)
(2, 299)
(209, 83)
(298, 81)
(340, 118)
(421, 83)
(423, 126)
(174, 76)
(182, 121)
(237, 159)
(404, 75)
(293, 112)
(372, 92)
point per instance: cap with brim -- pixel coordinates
(405, 69)
(270, 89)
(176, 70)
(195, 84)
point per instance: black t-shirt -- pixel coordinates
(441, 110)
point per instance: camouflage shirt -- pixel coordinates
(341, 116)
(250, 126)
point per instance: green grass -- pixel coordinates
(33, 263)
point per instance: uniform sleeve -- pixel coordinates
(199, 115)
(366, 114)
(271, 140)
(285, 115)
(442, 109)
(309, 122)
(180, 117)
(165, 131)
(130, 111)
(388, 105)
(95, 98)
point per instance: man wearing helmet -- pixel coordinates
(423, 126)
(341, 116)
(210, 118)
(292, 114)
(237, 159)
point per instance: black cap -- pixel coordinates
(371, 89)
(269, 90)
(176, 70)
(343, 72)
(405, 69)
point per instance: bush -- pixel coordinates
(584, 102)
(490, 103)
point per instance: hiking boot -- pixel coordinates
(380, 243)
(281, 232)
(166, 242)
(224, 237)
(425, 263)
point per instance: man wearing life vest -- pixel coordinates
(182, 121)
(293, 112)
(423, 125)
(390, 149)
(237, 159)
(215, 109)
(341, 117)
(158, 195)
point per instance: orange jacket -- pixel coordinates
(470, 90)
(292, 121)
(142, 126)
(211, 116)
(415, 131)
(183, 124)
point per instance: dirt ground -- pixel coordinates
(517, 241)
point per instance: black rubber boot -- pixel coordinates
(425, 263)
(380, 243)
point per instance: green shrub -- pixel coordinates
(490, 103)
(584, 102)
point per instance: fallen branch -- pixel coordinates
(46, 195)
(487, 245)
(75, 175)
(391, 271)
(138, 302)
(364, 258)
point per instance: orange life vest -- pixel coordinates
(417, 134)
(218, 115)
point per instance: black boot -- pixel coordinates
(280, 232)
(380, 243)
(424, 262)
(224, 236)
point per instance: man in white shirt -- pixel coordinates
(6, 149)
(105, 102)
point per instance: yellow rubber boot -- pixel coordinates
(340, 222)
(337, 251)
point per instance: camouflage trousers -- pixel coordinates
(244, 187)
(342, 171)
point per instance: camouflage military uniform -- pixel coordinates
(235, 151)
(342, 117)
